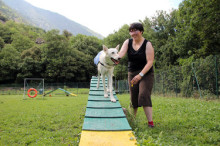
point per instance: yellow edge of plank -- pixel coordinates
(107, 138)
(73, 94)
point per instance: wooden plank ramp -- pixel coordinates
(105, 123)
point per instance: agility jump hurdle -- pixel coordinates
(105, 122)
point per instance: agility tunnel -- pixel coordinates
(105, 122)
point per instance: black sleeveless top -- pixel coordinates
(137, 59)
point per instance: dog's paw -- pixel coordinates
(97, 87)
(108, 90)
(106, 95)
(113, 100)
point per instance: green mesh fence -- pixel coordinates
(74, 87)
(11, 89)
(121, 86)
(198, 79)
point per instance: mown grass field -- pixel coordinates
(58, 120)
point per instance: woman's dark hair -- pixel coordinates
(137, 26)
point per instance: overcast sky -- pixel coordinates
(106, 16)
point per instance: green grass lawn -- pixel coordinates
(54, 120)
(58, 120)
(178, 121)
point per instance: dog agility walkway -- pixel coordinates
(105, 122)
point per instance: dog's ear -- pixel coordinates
(117, 47)
(105, 48)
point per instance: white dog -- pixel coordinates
(107, 60)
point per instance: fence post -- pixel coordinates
(77, 87)
(196, 80)
(127, 86)
(162, 85)
(115, 86)
(176, 82)
(216, 71)
(118, 88)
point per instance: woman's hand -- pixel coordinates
(135, 80)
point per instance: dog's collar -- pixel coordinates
(108, 66)
(101, 63)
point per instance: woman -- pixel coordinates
(140, 69)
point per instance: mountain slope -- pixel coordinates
(48, 20)
(6, 13)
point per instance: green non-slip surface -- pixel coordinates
(95, 82)
(103, 104)
(106, 124)
(99, 98)
(95, 85)
(97, 79)
(98, 92)
(104, 113)
(95, 88)
(101, 113)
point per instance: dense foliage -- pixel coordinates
(31, 52)
(182, 36)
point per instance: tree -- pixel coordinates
(88, 44)
(67, 34)
(198, 28)
(161, 31)
(54, 55)
(9, 60)
(31, 64)
(2, 43)
(21, 42)
(85, 48)
(6, 32)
